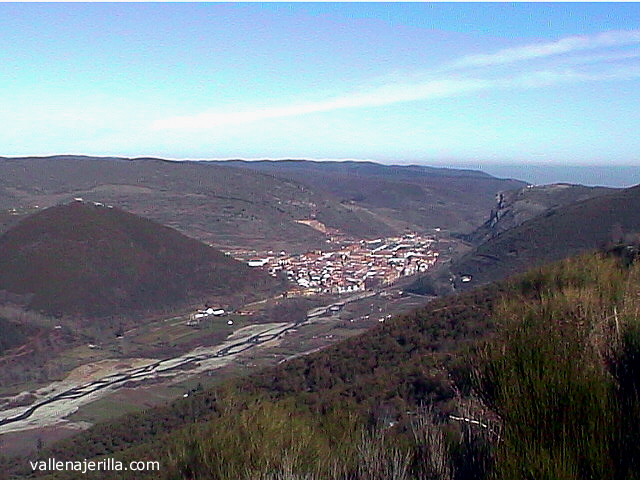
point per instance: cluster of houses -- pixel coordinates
(95, 204)
(196, 317)
(358, 266)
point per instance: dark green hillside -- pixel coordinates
(82, 259)
(553, 235)
(391, 368)
(12, 335)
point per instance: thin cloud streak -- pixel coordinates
(377, 97)
(543, 50)
(602, 58)
(390, 95)
(431, 89)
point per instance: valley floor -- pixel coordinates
(107, 387)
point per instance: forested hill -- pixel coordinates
(92, 260)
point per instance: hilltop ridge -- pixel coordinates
(425, 196)
(257, 205)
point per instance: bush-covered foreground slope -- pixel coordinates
(534, 379)
(562, 375)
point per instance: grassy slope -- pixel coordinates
(563, 375)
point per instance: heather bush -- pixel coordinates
(562, 373)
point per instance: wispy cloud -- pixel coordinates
(438, 85)
(374, 97)
(543, 50)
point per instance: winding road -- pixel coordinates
(55, 405)
(165, 367)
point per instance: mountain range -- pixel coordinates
(425, 197)
(257, 206)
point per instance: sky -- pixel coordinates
(443, 84)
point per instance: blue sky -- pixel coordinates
(446, 83)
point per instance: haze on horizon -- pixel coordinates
(442, 84)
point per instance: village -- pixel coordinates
(358, 266)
